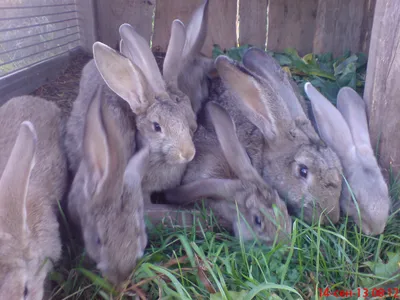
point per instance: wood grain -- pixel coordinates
(111, 14)
(291, 23)
(166, 12)
(382, 93)
(339, 26)
(253, 22)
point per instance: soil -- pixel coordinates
(64, 89)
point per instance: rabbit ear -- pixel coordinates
(217, 189)
(137, 167)
(233, 151)
(353, 110)
(196, 31)
(123, 77)
(15, 181)
(173, 57)
(102, 144)
(140, 54)
(331, 125)
(251, 98)
(122, 48)
(262, 64)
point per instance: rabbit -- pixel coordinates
(194, 78)
(34, 172)
(277, 135)
(232, 179)
(106, 200)
(152, 111)
(345, 130)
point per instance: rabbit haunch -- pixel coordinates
(33, 180)
(277, 135)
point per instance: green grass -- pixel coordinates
(208, 263)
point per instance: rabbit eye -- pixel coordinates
(98, 241)
(257, 220)
(25, 292)
(303, 171)
(157, 127)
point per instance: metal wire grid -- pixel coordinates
(73, 37)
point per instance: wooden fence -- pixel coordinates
(307, 25)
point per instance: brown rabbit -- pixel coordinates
(106, 198)
(232, 181)
(277, 135)
(149, 109)
(33, 180)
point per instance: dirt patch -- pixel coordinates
(64, 89)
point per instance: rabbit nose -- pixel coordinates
(187, 154)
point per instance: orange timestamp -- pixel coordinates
(360, 292)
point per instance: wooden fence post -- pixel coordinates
(382, 88)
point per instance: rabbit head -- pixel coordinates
(22, 274)
(262, 212)
(164, 118)
(296, 162)
(345, 130)
(106, 195)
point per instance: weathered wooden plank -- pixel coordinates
(166, 12)
(253, 22)
(339, 25)
(221, 22)
(291, 23)
(111, 14)
(366, 28)
(382, 93)
(87, 24)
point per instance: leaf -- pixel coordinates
(97, 280)
(348, 77)
(282, 59)
(217, 51)
(339, 68)
(385, 269)
(233, 295)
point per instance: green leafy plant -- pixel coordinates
(322, 70)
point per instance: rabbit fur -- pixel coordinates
(106, 199)
(233, 182)
(277, 135)
(34, 179)
(345, 130)
(149, 109)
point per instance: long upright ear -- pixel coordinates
(15, 181)
(251, 98)
(262, 64)
(331, 126)
(353, 110)
(233, 151)
(173, 57)
(102, 145)
(140, 54)
(122, 76)
(196, 31)
(216, 189)
(122, 48)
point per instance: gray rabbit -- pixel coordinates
(34, 179)
(277, 135)
(227, 178)
(106, 199)
(149, 109)
(345, 130)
